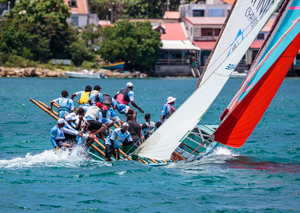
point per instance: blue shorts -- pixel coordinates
(106, 121)
(122, 108)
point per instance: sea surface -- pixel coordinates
(262, 176)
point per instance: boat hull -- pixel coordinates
(114, 66)
(193, 147)
(81, 75)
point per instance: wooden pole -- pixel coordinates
(98, 150)
(45, 105)
(43, 108)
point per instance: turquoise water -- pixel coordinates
(262, 176)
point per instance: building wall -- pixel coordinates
(173, 70)
(81, 20)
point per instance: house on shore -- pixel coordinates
(80, 14)
(178, 56)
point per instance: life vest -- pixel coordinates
(85, 98)
(150, 129)
(63, 104)
(103, 109)
(92, 112)
(123, 97)
(107, 100)
(170, 111)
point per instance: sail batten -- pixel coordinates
(167, 138)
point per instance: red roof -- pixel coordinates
(206, 20)
(173, 31)
(256, 44)
(268, 26)
(205, 45)
(171, 15)
(228, 1)
(80, 8)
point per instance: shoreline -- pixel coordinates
(6, 72)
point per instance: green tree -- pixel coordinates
(136, 43)
(102, 8)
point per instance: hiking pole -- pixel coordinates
(139, 140)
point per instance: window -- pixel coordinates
(198, 13)
(260, 36)
(216, 12)
(197, 32)
(217, 31)
(206, 31)
(3, 5)
(75, 20)
(72, 3)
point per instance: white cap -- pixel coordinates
(69, 117)
(170, 99)
(129, 84)
(60, 121)
(125, 124)
(73, 115)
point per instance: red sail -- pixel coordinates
(237, 127)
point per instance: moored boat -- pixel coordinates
(83, 75)
(113, 66)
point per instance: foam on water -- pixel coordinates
(49, 158)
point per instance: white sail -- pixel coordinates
(161, 144)
(244, 17)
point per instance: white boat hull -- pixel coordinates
(81, 75)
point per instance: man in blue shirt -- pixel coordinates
(123, 98)
(94, 117)
(57, 134)
(114, 140)
(96, 95)
(66, 105)
(168, 109)
(85, 96)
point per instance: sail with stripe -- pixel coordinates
(246, 17)
(264, 78)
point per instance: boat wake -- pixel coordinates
(51, 158)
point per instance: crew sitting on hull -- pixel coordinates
(168, 109)
(94, 117)
(123, 98)
(57, 134)
(135, 131)
(66, 105)
(70, 138)
(114, 140)
(148, 127)
(84, 100)
(96, 95)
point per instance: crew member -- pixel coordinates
(110, 103)
(94, 117)
(57, 134)
(96, 95)
(70, 138)
(84, 99)
(168, 109)
(105, 112)
(135, 131)
(148, 127)
(123, 98)
(66, 105)
(114, 140)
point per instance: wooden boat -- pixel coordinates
(113, 66)
(83, 75)
(190, 141)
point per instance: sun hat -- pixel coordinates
(73, 115)
(129, 84)
(170, 99)
(60, 121)
(125, 124)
